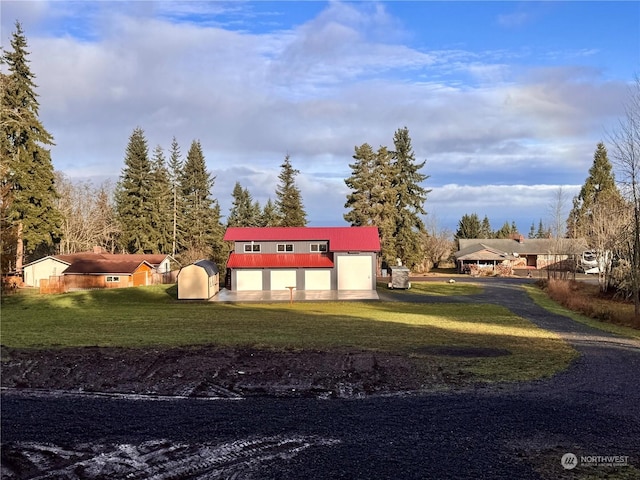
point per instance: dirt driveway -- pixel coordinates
(592, 410)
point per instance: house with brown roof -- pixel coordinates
(97, 269)
(518, 253)
(304, 258)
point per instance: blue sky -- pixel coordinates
(506, 101)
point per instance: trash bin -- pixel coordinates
(399, 277)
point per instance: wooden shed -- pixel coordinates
(198, 281)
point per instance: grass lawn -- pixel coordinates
(151, 316)
(437, 288)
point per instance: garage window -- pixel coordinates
(113, 279)
(252, 247)
(318, 247)
(285, 247)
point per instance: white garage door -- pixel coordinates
(281, 279)
(354, 273)
(317, 280)
(249, 280)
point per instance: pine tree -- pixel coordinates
(542, 232)
(485, 228)
(244, 211)
(177, 218)
(269, 216)
(504, 231)
(288, 198)
(30, 219)
(469, 226)
(601, 181)
(410, 198)
(134, 197)
(362, 182)
(162, 197)
(203, 230)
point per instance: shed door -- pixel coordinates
(317, 280)
(354, 273)
(281, 279)
(249, 280)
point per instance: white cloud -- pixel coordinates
(314, 90)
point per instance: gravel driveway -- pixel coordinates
(510, 432)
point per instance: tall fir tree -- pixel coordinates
(134, 197)
(30, 219)
(177, 204)
(600, 183)
(485, 228)
(362, 182)
(162, 197)
(203, 230)
(469, 226)
(269, 215)
(410, 198)
(288, 198)
(244, 211)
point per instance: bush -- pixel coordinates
(583, 298)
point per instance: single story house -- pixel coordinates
(304, 258)
(198, 281)
(518, 252)
(56, 265)
(107, 273)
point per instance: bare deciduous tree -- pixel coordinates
(437, 243)
(625, 141)
(87, 216)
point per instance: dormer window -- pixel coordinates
(284, 247)
(252, 247)
(318, 247)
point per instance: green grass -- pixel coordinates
(543, 300)
(151, 316)
(437, 288)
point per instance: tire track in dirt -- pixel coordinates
(151, 460)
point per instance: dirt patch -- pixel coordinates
(209, 371)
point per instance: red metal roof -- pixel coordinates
(278, 260)
(341, 239)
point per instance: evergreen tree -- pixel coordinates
(269, 216)
(203, 230)
(485, 228)
(373, 198)
(362, 182)
(288, 198)
(469, 226)
(134, 197)
(532, 231)
(542, 231)
(162, 196)
(504, 231)
(244, 211)
(177, 205)
(410, 198)
(384, 208)
(601, 181)
(30, 219)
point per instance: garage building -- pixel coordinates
(305, 258)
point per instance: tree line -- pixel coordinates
(470, 226)
(167, 205)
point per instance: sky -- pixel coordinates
(504, 101)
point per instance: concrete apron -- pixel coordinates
(228, 296)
